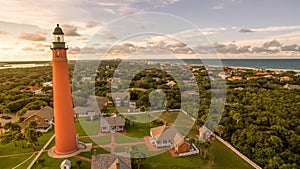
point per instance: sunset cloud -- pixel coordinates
(92, 24)
(32, 36)
(3, 32)
(70, 30)
(245, 30)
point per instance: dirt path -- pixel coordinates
(83, 158)
(18, 154)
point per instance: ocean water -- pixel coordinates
(268, 64)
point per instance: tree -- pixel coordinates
(220, 130)
(137, 157)
(237, 117)
(31, 135)
(41, 161)
(78, 163)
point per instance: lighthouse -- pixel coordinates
(64, 124)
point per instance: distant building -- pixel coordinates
(47, 84)
(119, 98)
(286, 78)
(171, 83)
(262, 73)
(112, 124)
(252, 77)
(233, 78)
(288, 86)
(43, 118)
(224, 75)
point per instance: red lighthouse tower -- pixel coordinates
(65, 131)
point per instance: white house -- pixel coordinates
(112, 124)
(66, 164)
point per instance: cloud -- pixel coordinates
(41, 45)
(32, 36)
(268, 48)
(74, 50)
(34, 49)
(107, 4)
(70, 30)
(128, 12)
(92, 24)
(245, 30)
(109, 35)
(3, 32)
(221, 5)
(277, 28)
(273, 43)
(264, 50)
(293, 47)
(218, 7)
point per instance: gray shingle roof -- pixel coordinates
(46, 112)
(104, 161)
(112, 121)
(169, 134)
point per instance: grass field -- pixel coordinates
(125, 139)
(51, 163)
(101, 140)
(85, 127)
(10, 162)
(11, 149)
(138, 130)
(141, 148)
(224, 158)
(165, 160)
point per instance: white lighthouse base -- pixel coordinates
(86, 148)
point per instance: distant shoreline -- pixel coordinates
(29, 64)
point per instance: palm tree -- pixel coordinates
(137, 157)
(220, 130)
(237, 117)
(206, 147)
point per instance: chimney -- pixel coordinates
(118, 165)
(95, 152)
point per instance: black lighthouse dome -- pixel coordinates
(58, 30)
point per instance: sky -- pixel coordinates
(226, 28)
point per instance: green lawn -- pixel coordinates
(169, 117)
(51, 163)
(138, 130)
(165, 160)
(11, 149)
(84, 127)
(143, 118)
(10, 162)
(141, 147)
(224, 158)
(126, 139)
(101, 140)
